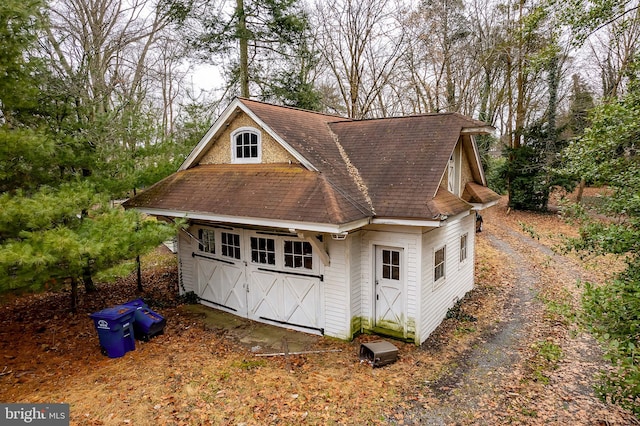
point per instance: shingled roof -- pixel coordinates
(350, 170)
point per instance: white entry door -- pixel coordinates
(389, 286)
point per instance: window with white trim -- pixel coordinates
(263, 250)
(298, 254)
(246, 146)
(438, 264)
(391, 264)
(207, 240)
(463, 247)
(230, 245)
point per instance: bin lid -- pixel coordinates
(136, 303)
(113, 313)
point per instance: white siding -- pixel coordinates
(458, 280)
(355, 269)
(337, 294)
(186, 264)
(410, 245)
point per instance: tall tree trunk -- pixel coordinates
(74, 295)
(87, 279)
(244, 49)
(139, 273)
(581, 186)
(520, 80)
(552, 133)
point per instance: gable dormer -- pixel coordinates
(243, 141)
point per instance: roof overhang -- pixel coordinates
(406, 222)
(271, 223)
(482, 206)
(480, 130)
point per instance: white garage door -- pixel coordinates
(222, 284)
(283, 298)
(264, 277)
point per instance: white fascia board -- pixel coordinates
(457, 217)
(476, 153)
(271, 223)
(204, 142)
(406, 222)
(480, 130)
(481, 206)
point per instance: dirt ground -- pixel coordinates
(511, 354)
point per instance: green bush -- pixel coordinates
(612, 314)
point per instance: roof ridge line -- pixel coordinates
(325, 114)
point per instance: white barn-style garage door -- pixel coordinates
(261, 276)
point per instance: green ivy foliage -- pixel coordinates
(612, 313)
(529, 172)
(608, 154)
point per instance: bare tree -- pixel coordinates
(105, 50)
(360, 42)
(614, 49)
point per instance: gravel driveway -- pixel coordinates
(490, 384)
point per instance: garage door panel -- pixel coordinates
(284, 298)
(231, 288)
(222, 284)
(265, 294)
(301, 301)
(206, 273)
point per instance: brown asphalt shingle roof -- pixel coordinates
(384, 168)
(282, 192)
(402, 159)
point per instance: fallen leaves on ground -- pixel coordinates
(194, 375)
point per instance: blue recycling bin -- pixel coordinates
(147, 323)
(137, 303)
(115, 330)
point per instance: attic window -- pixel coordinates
(246, 145)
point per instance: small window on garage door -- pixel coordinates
(230, 245)
(263, 250)
(298, 254)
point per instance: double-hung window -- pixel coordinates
(463, 248)
(438, 269)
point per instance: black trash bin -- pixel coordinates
(147, 323)
(115, 330)
(378, 353)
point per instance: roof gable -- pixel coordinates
(229, 115)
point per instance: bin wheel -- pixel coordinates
(103, 350)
